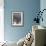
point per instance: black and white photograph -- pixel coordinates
(17, 18)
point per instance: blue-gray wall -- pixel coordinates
(43, 6)
(30, 7)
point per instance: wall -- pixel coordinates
(43, 6)
(30, 7)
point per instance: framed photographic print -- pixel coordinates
(17, 18)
